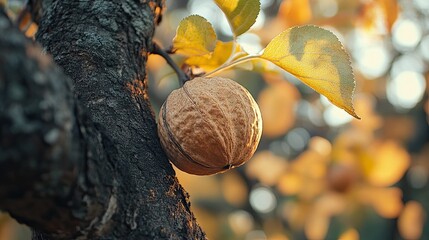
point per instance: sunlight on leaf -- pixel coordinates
(241, 14)
(261, 66)
(211, 61)
(194, 36)
(316, 57)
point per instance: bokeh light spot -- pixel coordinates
(410, 223)
(256, 235)
(351, 234)
(406, 34)
(418, 176)
(297, 138)
(328, 8)
(424, 47)
(335, 116)
(423, 6)
(406, 89)
(250, 42)
(320, 145)
(241, 221)
(262, 199)
(373, 61)
(408, 62)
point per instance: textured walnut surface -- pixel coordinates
(209, 125)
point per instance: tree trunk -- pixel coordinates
(79, 153)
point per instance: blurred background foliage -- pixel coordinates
(318, 173)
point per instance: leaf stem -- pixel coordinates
(231, 64)
(180, 74)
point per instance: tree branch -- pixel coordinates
(103, 171)
(37, 146)
(182, 77)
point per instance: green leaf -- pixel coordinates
(316, 57)
(194, 36)
(241, 14)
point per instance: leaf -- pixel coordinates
(241, 14)
(316, 57)
(194, 36)
(212, 60)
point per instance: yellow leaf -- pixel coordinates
(194, 36)
(316, 57)
(261, 66)
(241, 14)
(212, 60)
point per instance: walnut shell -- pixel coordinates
(209, 125)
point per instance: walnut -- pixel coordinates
(209, 125)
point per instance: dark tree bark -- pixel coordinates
(79, 154)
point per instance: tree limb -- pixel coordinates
(102, 173)
(38, 149)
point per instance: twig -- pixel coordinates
(180, 74)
